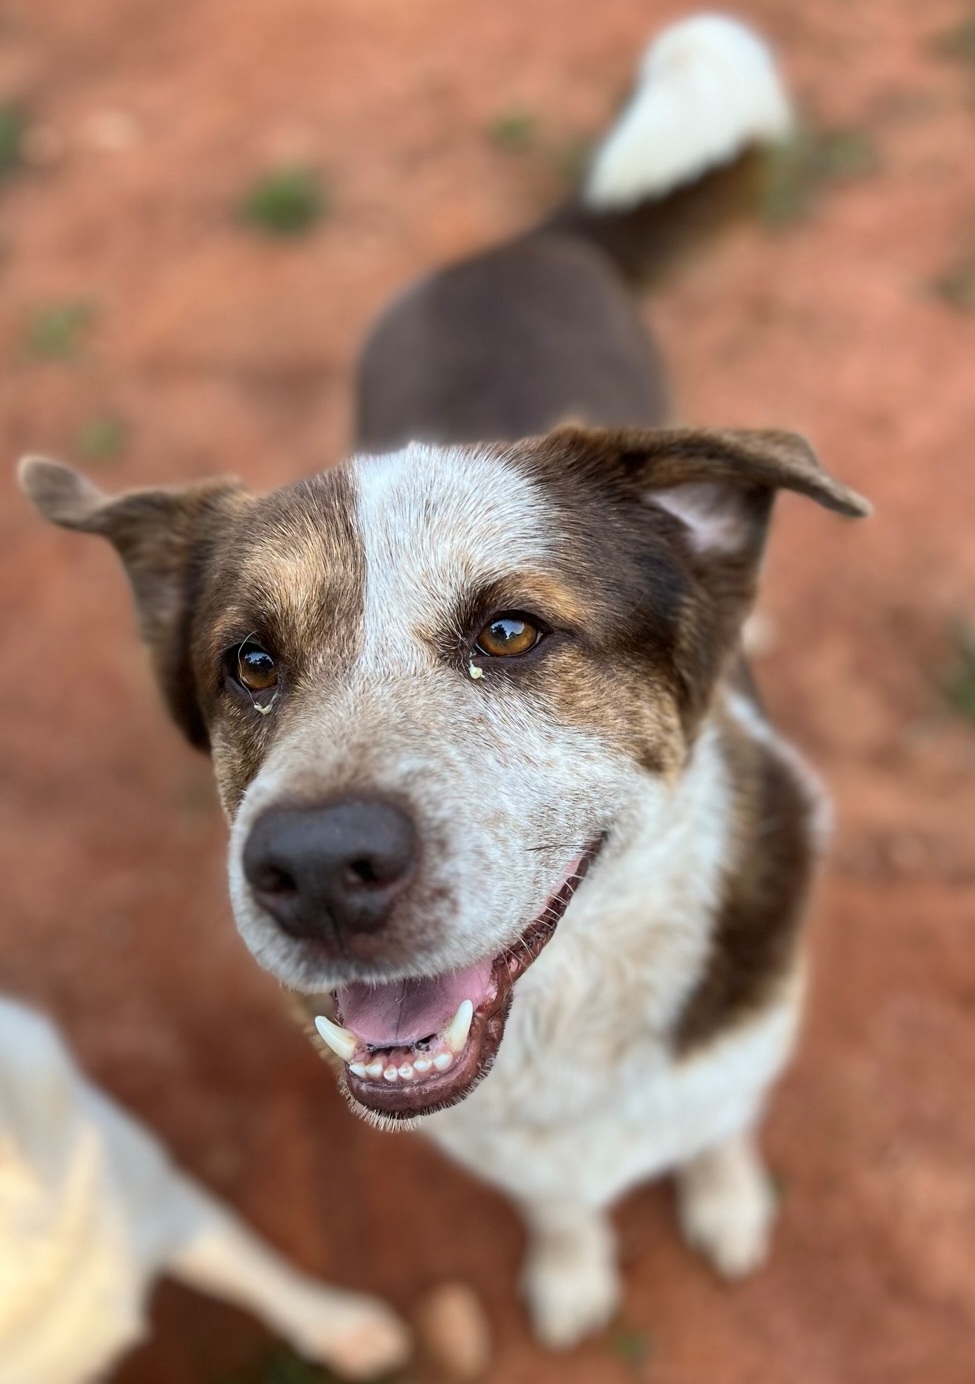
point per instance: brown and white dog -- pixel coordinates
(448, 679)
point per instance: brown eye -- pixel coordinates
(255, 668)
(506, 635)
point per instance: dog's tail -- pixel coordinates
(688, 151)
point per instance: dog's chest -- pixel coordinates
(584, 1111)
(585, 1080)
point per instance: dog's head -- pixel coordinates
(435, 686)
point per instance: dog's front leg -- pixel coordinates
(726, 1205)
(571, 1281)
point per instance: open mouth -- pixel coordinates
(414, 1046)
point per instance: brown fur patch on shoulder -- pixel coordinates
(757, 924)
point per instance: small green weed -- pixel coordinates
(13, 127)
(958, 682)
(840, 155)
(514, 131)
(567, 156)
(286, 1368)
(283, 1366)
(956, 44)
(780, 1186)
(571, 159)
(799, 169)
(287, 202)
(103, 439)
(956, 285)
(56, 332)
(633, 1347)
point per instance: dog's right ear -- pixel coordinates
(162, 537)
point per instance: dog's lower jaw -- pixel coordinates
(403, 1083)
(388, 1105)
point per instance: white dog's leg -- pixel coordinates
(356, 1335)
(570, 1281)
(727, 1206)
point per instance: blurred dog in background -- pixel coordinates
(503, 797)
(92, 1210)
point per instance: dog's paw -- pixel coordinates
(727, 1209)
(360, 1339)
(568, 1296)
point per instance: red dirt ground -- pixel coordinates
(225, 352)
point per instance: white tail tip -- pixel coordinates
(708, 88)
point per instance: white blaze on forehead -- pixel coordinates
(436, 523)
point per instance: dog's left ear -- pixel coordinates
(162, 537)
(716, 490)
(719, 483)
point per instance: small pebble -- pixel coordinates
(760, 635)
(454, 1333)
(112, 131)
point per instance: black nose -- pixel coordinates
(329, 871)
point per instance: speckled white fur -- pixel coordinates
(708, 88)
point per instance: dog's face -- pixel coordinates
(435, 686)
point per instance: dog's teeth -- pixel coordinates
(391, 1074)
(406, 1072)
(443, 1060)
(375, 1070)
(340, 1040)
(422, 1064)
(358, 1068)
(455, 1034)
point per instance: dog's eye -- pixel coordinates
(255, 668)
(508, 634)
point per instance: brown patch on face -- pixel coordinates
(291, 577)
(627, 594)
(662, 612)
(536, 591)
(210, 566)
(757, 924)
(597, 667)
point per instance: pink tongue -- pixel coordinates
(405, 1010)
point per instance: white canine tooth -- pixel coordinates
(443, 1060)
(406, 1072)
(375, 1069)
(422, 1064)
(357, 1068)
(455, 1034)
(340, 1040)
(391, 1074)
